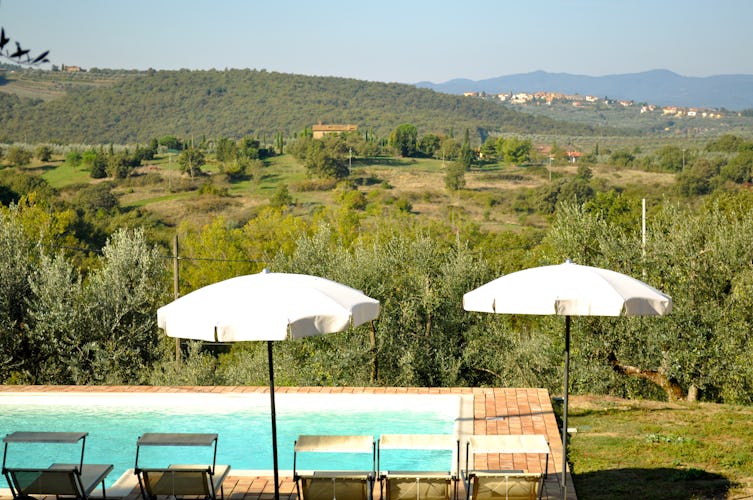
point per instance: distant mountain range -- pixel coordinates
(660, 87)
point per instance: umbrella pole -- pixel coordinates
(274, 418)
(564, 409)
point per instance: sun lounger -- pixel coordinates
(183, 480)
(418, 484)
(330, 484)
(505, 484)
(77, 480)
(180, 480)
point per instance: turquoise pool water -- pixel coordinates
(242, 421)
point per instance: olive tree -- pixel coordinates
(16, 262)
(706, 258)
(419, 281)
(122, 297)
(509, 351)
(191, 160)
(701, 259)
(419, 337)
(61, 343)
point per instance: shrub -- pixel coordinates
(282, 197)
(73, 158)
(403, 204)
(315, 185)
(18, 156)
(210, 188)
(621, 158)
(43, 153)
(97, 196)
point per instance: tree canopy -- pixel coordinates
(404, 139)
(103, 310)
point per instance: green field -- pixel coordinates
(625, 449)
(61, 175)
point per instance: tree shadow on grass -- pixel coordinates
(41, 168)
(365, 180)
(271, 178)
(388, 161)
(656, 484)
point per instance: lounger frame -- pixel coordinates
(179, 480)
(326, 484)
(77, 480)
(419, 484)
(183, 480)
(522, 484)
(507, 485)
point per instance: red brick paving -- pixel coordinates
(496, 411)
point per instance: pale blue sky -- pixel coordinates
(391, 40)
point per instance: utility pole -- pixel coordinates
(643, 235)
(176, 291)
(169, 172)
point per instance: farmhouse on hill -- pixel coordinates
(321, 130)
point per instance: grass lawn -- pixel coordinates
(645, 449)
(60, 174)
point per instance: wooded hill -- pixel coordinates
(123, 107)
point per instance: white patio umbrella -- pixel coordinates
(267, 306)
(568, 290)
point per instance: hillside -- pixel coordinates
(661, 87)
(497, 197)
(128, 107)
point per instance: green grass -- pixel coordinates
(634, 449)
(60, 175)
(143, 202)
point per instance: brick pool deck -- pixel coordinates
(495, 411)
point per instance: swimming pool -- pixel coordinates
(115, 420)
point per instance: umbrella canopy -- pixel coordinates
(568, 290)
(267, 306)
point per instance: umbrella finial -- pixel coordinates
(568, 261)
(264, 271)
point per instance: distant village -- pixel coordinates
(584, 101)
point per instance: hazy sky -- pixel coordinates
(391, 40)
